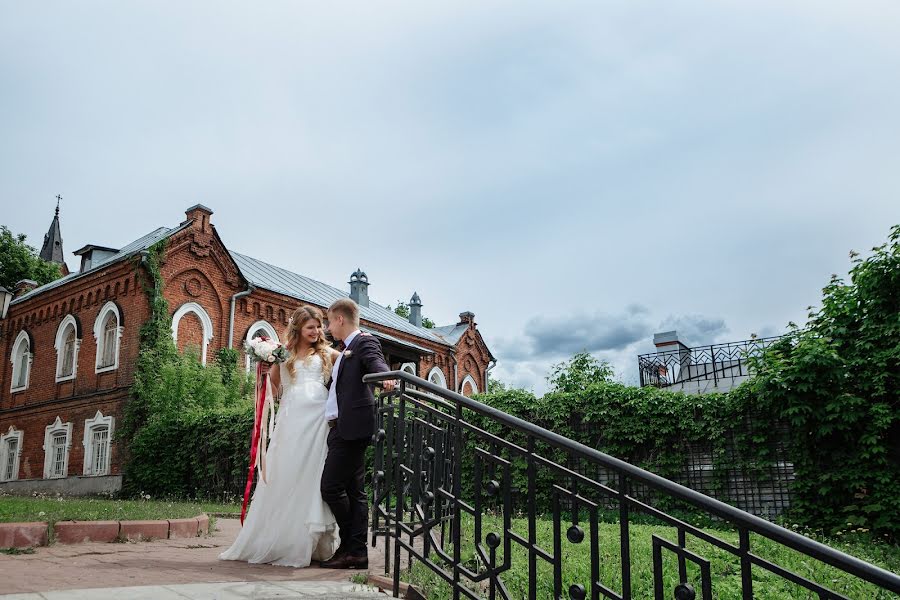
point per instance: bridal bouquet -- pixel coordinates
(263, 349)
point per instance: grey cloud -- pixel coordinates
(695, 329)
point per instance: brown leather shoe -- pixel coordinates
(346, 561)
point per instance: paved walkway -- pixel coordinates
(156, 563)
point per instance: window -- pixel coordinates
(97, 436)
(205, 322)
(107, 331)
(436, 376)
(57, 442)
(258, 329)
(21, 362)
(473, 387)
(10, 451)
(67, 345)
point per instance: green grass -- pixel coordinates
(59, 508)
(725, 568)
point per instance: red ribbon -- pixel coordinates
(257, 429)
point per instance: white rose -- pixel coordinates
(271, 358)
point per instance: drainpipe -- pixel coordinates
(234, 298)
(487, 372)
(455, 370)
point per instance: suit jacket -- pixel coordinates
(355, 399)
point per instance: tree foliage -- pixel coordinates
(20, 261)
(578, 373)
(836, 380)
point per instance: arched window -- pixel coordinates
(68, 341)
(409, 368)
(108, 331)
(57, 443)
(260, 328)
(97, 442)
(21, 362)
(205, 322)
(10, 451)
(436, 376)
(472, 389)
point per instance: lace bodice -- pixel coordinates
(308, 384)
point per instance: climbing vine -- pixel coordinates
(182, 412)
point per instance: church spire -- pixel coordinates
(52, 251)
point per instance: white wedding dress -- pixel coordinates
(288, 523)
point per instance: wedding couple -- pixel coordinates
(313, 496)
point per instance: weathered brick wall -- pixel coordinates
(32, 409)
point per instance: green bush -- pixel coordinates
(837, 382)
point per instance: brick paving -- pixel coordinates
(159, 562)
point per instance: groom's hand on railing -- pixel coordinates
(389, 385)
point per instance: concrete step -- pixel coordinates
(234, 590)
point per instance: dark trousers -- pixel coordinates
(343, 489)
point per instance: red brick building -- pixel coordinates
(70, 347)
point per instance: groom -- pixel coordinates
(350, 413)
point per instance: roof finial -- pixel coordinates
(58, 198)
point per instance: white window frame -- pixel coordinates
(68, 321)
(12, 433)
(437, 370)
(471, 381)
(205, 322)
(270, 331)
(18, 365)
(90, 425)
(99, 336)
(410, 368)
(56, 427)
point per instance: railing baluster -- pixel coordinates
(746, 565)
(532, 523)
(624, 537)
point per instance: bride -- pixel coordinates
(288, 522)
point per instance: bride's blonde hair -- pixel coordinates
(301, 317)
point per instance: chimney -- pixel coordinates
(23, 286)
(359, 288)
(415, 310)
(466, 318)
(667, 341)
(199, 214)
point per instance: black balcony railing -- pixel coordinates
(716, 362)
(462, 489)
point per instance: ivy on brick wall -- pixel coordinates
(186, 425)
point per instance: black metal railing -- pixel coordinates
(715, 362)
(462, 489)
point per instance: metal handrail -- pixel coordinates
(826, 554)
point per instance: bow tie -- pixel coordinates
(342, 346)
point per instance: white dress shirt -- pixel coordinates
(331, 405)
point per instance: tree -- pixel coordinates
(20, 261)
(402, 309)
(836, 381)
(578, 373)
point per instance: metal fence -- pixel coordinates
(444, 497)
(715, 363)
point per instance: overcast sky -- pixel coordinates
(579, 175)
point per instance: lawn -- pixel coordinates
(725, 569)
(59, 508)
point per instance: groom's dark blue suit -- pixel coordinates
(343, 478)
